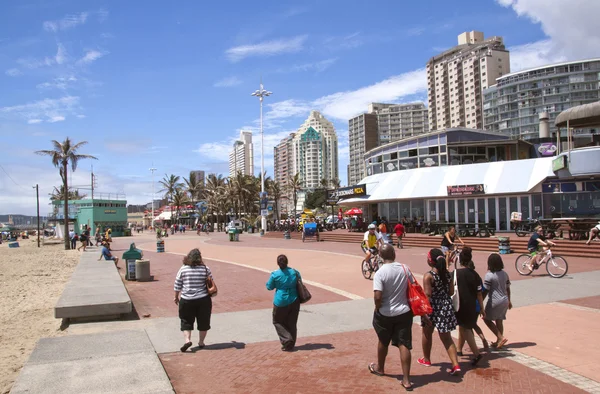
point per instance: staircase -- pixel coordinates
(518, 245)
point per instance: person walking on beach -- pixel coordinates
(98, 235)
(497, 285)
(83, 239)
(192, 295)
(392, 319)
(469, 291)
(286, 305)
(436, 284)
(73, 238)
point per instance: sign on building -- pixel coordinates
(465, 190)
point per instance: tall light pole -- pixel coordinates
(37, 195)
(261, 94)
(152, 171)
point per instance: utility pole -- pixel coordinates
(152, 171)
(37, 195)
(92, 182)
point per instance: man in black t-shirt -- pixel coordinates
(537, 243)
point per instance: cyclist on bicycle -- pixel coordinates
(372, 242)
(537, 243)
(450, 238)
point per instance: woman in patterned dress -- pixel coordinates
(436, 284)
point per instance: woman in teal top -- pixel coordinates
(286, 305)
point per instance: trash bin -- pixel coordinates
(504, 245)
(142, 270)
(231, 233)
(127, 232)
(160, 246)
(130, 257)
(286, 235)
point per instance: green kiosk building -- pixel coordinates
(93, 213)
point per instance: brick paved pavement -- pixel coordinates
(240, 288)
(338, 364)
(588, 302)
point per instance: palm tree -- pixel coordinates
(180, 198)
(335, 183)
(59, 194)
(274, 189)
(324, 183)
(194, 188)
(63, 154)
(294, 186)
(171, 185)
(215, 195)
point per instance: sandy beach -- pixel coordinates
(32, 279)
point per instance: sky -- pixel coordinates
(167, 84)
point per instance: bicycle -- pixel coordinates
(368, 267)
(455, 256)
(556, 266)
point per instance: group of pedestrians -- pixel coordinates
(456, 299)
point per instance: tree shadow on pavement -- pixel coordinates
(220, 346)
(314, 346)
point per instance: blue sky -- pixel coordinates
(169, 83)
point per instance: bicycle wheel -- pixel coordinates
(557, 267)
(520, 231)
(366, 269)
(378, 264)
(522, 263)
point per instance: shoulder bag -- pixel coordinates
(211, 286)
(303, 293)
(417, 300)
(455, 297)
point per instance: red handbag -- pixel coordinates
(418, 301)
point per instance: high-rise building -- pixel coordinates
(200, 176)
(315, 151)
(283, 168)
(241, 157)
(457, 77)
(513, 105)
(362, 137)
(384, 123)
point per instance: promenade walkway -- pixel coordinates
(552, 329)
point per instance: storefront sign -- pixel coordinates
(546, 149)
(110, 211)
(465, 190)
(559, 163)
(332, 197)
(347, 192)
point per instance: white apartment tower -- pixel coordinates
(457, 77)
(283, 168)
(241, 157)
(315, 151)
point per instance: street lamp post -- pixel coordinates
(152, 221)
(261, 94)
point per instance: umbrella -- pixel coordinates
(353, 211)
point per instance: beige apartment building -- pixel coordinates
(241, 157)
(457, 77)
(384, 123)
(283, 168)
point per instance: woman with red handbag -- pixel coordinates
(437, 287)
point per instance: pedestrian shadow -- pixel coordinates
(220, 346)
(314, 346)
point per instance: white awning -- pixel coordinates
(164, 216)
(504, 177)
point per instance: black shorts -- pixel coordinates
(395, 329)
(195, 310)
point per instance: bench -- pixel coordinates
(95, 291)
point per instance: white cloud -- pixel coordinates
(216, 150)
(80, 116)
(34, 121)
(316, 66)
(266, 48)
(91, 56)
(62, 83)
(13, 72)
(345, 105)
(533, 55)
(228, 82)
(52, 110)
(67, 22)
(33, 63)
(349, 41)
(570, 26)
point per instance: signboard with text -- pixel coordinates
(465, 190)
